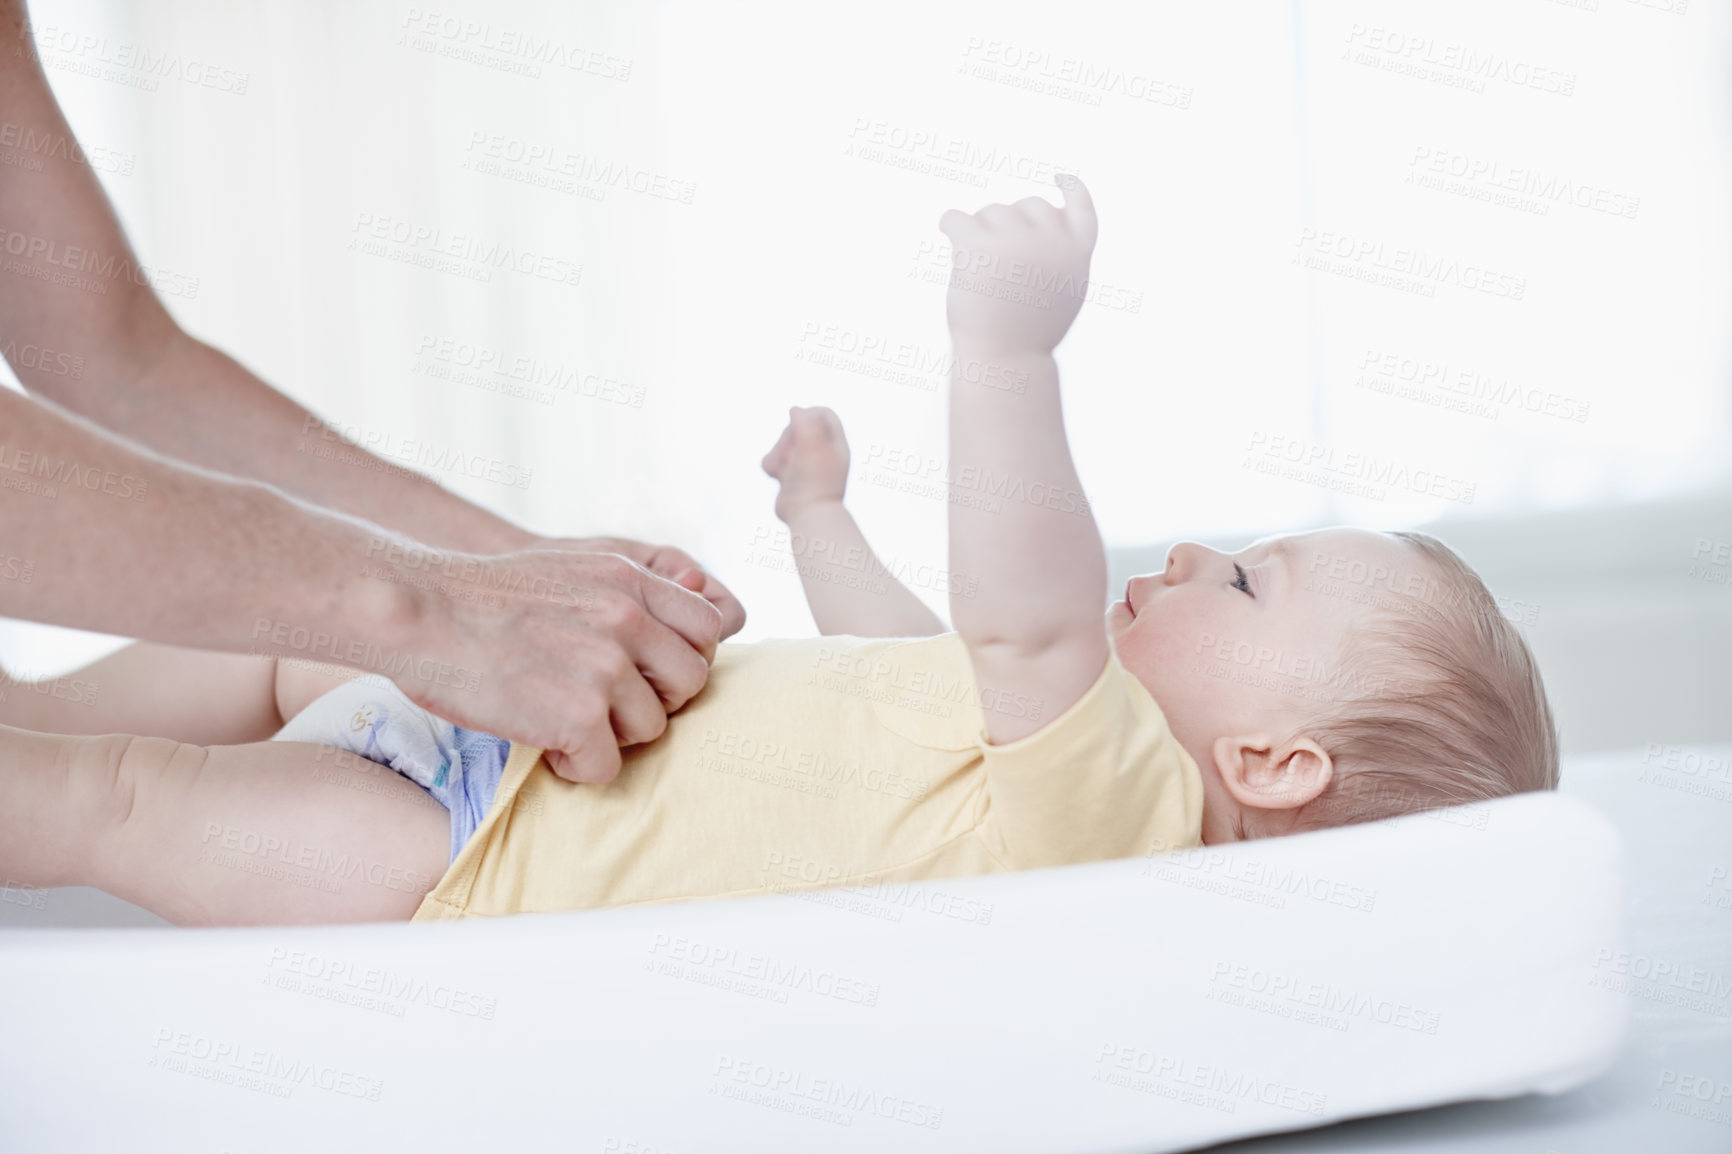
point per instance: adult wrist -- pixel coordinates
(500, 536)
(341, 607)
(401, 617)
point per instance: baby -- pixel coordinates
(1307, 681)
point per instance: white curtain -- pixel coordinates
(1359, 262)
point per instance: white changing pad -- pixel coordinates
(1144, 1005)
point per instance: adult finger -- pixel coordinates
(681, 568)
(669, 561)
(634, 709)
(683, 611)
(673, 668)
(594, 755)
(733, 613)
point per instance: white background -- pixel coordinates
(1292, 120)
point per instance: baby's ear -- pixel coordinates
(1309, 770)
(1262, 773)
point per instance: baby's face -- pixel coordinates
(1236, 644)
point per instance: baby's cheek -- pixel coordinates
(1172, 635)
(1151, 654)
(1180, 654)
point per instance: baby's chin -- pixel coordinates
(1119, 619)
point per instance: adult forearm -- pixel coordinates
(82, 325)
(573, 653)
(248, 429)
(119, 540)
(158, 374)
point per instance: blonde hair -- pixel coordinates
(1452, 708)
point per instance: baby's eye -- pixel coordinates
(1240, 582)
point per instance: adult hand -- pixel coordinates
(577, 653)
(675, 565)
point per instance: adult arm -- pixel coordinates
(544, 647)
(82, 326)
(72, 288)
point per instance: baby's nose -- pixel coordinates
(1182, 560)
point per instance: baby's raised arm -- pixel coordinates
(848, 589)
(1034, 624)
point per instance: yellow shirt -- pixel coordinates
(832, 761)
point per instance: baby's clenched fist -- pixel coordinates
(1018, 271)
(810, 460)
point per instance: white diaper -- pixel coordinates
(371, 717)
(460, 768)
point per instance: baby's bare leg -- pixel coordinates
(272, 833)
(154, 691)
(300, 683)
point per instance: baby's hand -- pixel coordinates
(1018, 271)
(810, 460)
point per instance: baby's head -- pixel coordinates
(1337, 676)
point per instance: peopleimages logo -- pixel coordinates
(316, 643)
(71, 474)
(1369, 259)
(1071, 77)
(409, 452)
(42, 360)
(85, 262)
(1542, 188)
(789, 1089)
(435, 248)
(135, 65)
(1466, 390)
(873, 139)
(34, 144)
(523, 50)
(1361, 473)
